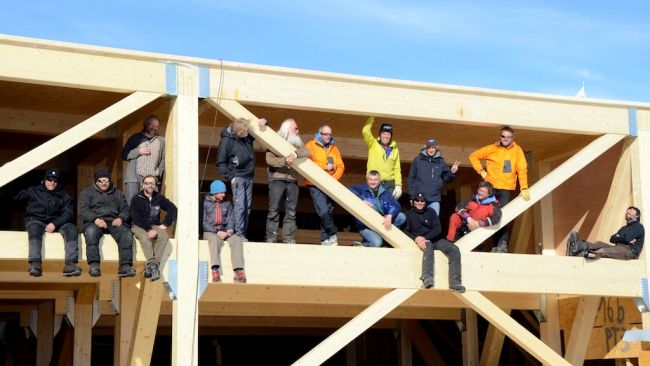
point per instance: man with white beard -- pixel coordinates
(283, 184)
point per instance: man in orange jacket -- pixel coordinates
(327, 156)
(504, 163)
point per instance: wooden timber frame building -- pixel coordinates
(73, 106)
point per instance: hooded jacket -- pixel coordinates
(485, 211)
(632, 230)
(209, 212)
(145, 213)
(503, 165)
(47, 206)
(320, 153)
(388, 166)
(235, 155)
(428, 174)
(422, 223)
(384, 203)
(107, 205)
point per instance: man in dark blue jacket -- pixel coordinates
(423, 226)
(381, 200)
(49, 209)
(429, 172)
(236, 164)
(628, 241)
(145, 213)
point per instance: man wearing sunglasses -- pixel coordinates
(504, 163)
(103, 209)
(49, 209)
(423, 226)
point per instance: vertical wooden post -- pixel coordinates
(125, 319)
(183, 166)
(83, 325)
(405, 345)
(45, 333)
(146, 322)
(470, 339)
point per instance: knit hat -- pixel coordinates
(217, 186)
(386, 127)
(53, 173)
(431, 142)
(419, 196)
(103, 172)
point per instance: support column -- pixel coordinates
(45, 333)
(470, 338)
(146, 322)
(183, 166)
(83, 325)
(125, 319)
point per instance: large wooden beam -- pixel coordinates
(183, 191)
(125, 320)
(319, 91)
(146, 323)
(511, 328)
(45, 333)
(73, 136)
(538, 190)
(354, 327)
(470, 338)
(83, 324)
(318, 176)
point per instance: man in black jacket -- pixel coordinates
(145, 213)
(49, 209)
(103, 209)
(628, 241)
(423, 226)
(236, 164)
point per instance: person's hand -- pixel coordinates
(144, 150)
(388, 221)
(290, 158)
(117, 222)
(525, 194)
(151, 234)
(397, 192)
(483, 174)
(101, 223)
(222, 235)
(330, 167)
(232, 181)
(371, 119)
(472, 224)
(454, 168)
(633, 241)
(421, 242)
(261, 122)
(50, 228)
(230, 232)
(163, 227)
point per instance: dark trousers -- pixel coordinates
(453, 255)
(325, 210)
(503, 234)
(122, 235)
(604, 250)
(242, 191)
(389, 185)
(279, 189)
(35, 231)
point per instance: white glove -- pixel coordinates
(397, 192)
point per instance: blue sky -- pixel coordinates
(536, 46)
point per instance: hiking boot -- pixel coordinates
(35, 269)
(155, 272)
(502, 247)
(71, 269)
(148, 270)
(216, 276)
(572, 244)
(290, 241)
(240, 276)
(333, 240)
(270, 241)
(94, 270)
(427, 282)
(457, 287)
(357, 244)
(126, 270)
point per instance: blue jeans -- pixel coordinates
(242, 192)
(436, 207)
(373, 239)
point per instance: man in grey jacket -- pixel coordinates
(145, 153)
(103, 209)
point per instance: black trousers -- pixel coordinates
(453, 255)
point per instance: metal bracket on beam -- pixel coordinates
(631, 121)
(462, 322)
(636, 335)
(172, 278)
(645, 295)
(70, 307)
(204, 81)
(114, 301)
(171, 78)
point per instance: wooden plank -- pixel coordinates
(354, 327)
(538, 190)
(585, 314)
(83, 325)
(183, 190)
(492, 345)
(318, 176)
(405, 346)
(470, 339)
(146, 323)
(124, 321)
(511, 328)
(45, 333)
(84, 70)
(73, 136)
(282, 88)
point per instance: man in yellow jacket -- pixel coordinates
(327, 156)
(504, 163)
(383, 156)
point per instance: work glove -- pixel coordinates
(483, 174)
(525, 194)
(397, 192)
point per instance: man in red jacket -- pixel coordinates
(482, 210)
